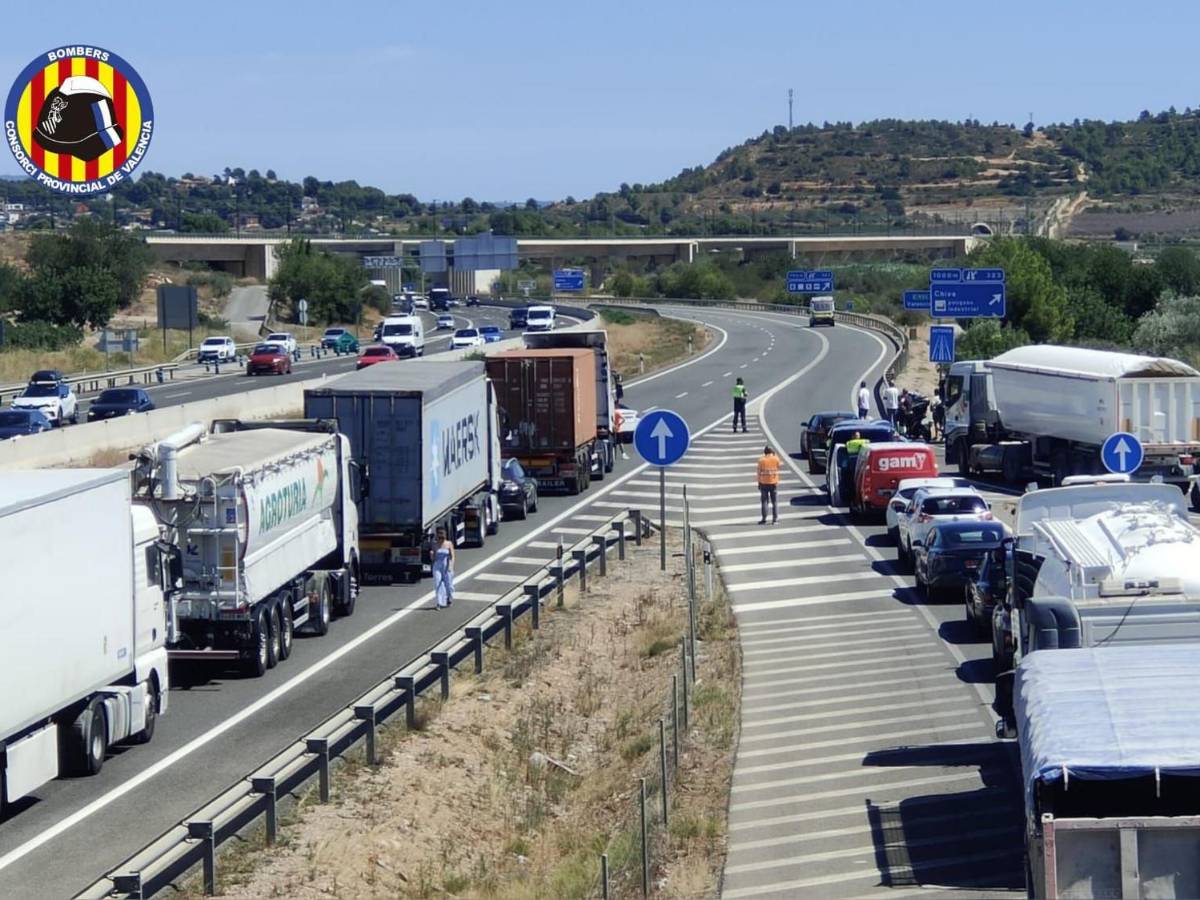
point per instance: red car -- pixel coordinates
(271, 359)
(375, 354)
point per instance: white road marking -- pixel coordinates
(817, 717)
(543, 545)
(811, 601)
(850, 792)
(681, 396)
(498, 576)
(803, 641)
(833, 618)
(177, 394)
(759, 533)
(804, 649)
(873, 740)
(742, 366)
(932, 692)
(840, 680)
(852, 664)
(476, 597)
(727, 374)
(527, 560)
(706, 384)
(773, 583)
(785, 563)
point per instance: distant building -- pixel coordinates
(249, 220)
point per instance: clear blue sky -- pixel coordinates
(506, 100)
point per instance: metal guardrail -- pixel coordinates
(194, 841)
(95, 382)
(886, 326)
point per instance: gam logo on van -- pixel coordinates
(898, 463)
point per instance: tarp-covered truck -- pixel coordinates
(1110, 759)
(1046, 410)
(547, 404)
(425, 436)
(83, 653)
(266, 524)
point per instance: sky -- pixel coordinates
(508, 100)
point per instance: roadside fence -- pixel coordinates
(94, 382)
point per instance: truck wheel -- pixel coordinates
(1195, 495)
(323, 611)
(147, 733)
(574, 485)
(287, 628)
(260, 640)
(493, 525)
(273, 638)
(533, 503)
(88, 740)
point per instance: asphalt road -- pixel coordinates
(866, 763)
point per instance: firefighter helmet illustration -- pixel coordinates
(78, 118)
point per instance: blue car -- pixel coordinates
(22, 422)
(491, 334)
(119, 402)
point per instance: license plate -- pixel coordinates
(885, 492)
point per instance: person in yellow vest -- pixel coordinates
(856, 443)
(768, 484)
(739, 405)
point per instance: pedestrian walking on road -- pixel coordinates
(864, 400)
(443, 570)
(891, 402)
(768, 484)
(739, 405)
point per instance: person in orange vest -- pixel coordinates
(768, 484)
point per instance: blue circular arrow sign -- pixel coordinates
(661, 437)
(1122, 453)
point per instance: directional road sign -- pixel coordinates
(1121, 453)
(941, 344)
(967, 293)
(661, 437)
(804, 281)
(916, 300)
(568, 279)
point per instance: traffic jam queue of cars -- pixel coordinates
(942, 526)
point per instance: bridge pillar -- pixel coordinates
(685, 252)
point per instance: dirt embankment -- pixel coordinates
(660, 341)
(515, 787)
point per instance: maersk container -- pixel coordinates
(424, 434)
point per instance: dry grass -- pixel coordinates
(662, 341)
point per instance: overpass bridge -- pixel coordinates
(253, 256)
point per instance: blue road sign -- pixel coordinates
(568, 279)
(941, 344)
(804, 281)
(1122, 453)
(945, 276)
(916, 300)
(992, 275)
(968, 300)
(661, 437)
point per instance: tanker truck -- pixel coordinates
(1045, 411)
(263, 515)
(82, 652)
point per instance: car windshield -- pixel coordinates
(335, 332)
(377, 351)
(279, 337)
(538, 314)
(8, 418)
(118, 396)
(952, 505)
(987, 534)
(214, 342)
(41, 390)
(266, 348)
(466, 333)
(398, 328)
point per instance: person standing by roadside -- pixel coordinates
(443, 570)
(768, 484)
(864, 400)
(891, 402)
(739, 405)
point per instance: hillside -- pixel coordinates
(1141, 178)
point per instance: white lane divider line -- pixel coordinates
(498, 576)
(681, 396)
(727, 374)
(815, 601)
(526, 560)
(785, 563)
(773, 583)
(743, 365)
(706, 384)
(771, 548)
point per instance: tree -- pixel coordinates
(1172, 329)
(331, 284)
(531, 204)
(1180, 270)
(985, 339)
(1036, 303)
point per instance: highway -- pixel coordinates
(866, 756)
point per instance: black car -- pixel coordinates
(986, 591)
(518, 318)
(472, 300)
(22, 423)
(952, 553)
(815, 432)
(518, 492)
(44, 376)
(119, 402)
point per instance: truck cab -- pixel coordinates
(968, 401)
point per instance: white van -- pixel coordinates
(539, 318)
(404, 334)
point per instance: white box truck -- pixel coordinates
(820, 312)
(426, 439)
(404, 334)
(604, 454)
(83, 649)
(264, 518)
(1046, 410)
(1110, 754)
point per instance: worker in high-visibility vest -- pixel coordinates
(739, 405)
(768, 484)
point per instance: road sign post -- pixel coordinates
(809, 281)
(941, 344)
(662, 438)
(1122, 453)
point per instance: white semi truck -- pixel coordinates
(263, 515)
(83, 652)
(1046, 410)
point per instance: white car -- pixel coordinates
(445, 321)
(217, 349)
(466, 338)
(833, 473)
(284, 339)
(55, 399)
(904, 492)
(932, 505)
(420, 303)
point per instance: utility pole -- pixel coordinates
(789, 109)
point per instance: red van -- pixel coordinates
(883, 466)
